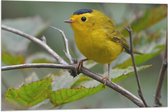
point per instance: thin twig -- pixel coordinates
(36, 65)
(134, 66)
(162, 74)
(34, 39)
(67, 53)
(83, 70)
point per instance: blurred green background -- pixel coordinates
(54, 13)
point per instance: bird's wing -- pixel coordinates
(123, 43)
(119, 39)
(116, 36)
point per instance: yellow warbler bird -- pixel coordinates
(96, 36)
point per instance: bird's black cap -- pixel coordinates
(82, 11)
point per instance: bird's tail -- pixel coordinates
(134, 51)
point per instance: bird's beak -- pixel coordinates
(68, 21)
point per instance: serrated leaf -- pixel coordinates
(63, 96)
(30, 25)
(11, 59)
(29, 94)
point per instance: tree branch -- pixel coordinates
(36, 65)
(67, 53)
(37, 41)
(162, 74)
(134, 66)
(64, 65)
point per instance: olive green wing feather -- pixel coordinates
(123, 43)
(118, 38)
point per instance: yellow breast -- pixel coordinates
(97, 46)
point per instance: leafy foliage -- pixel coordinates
(66, 95)
(29, 94)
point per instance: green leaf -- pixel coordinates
(11, 59)
(30, 25)
(149, 18)
(29, 94)
(66, 95)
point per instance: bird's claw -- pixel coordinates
(79, 65)
(105, 79)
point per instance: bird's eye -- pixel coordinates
(83, 18)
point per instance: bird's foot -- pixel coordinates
(79, 65)
(105, 78)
